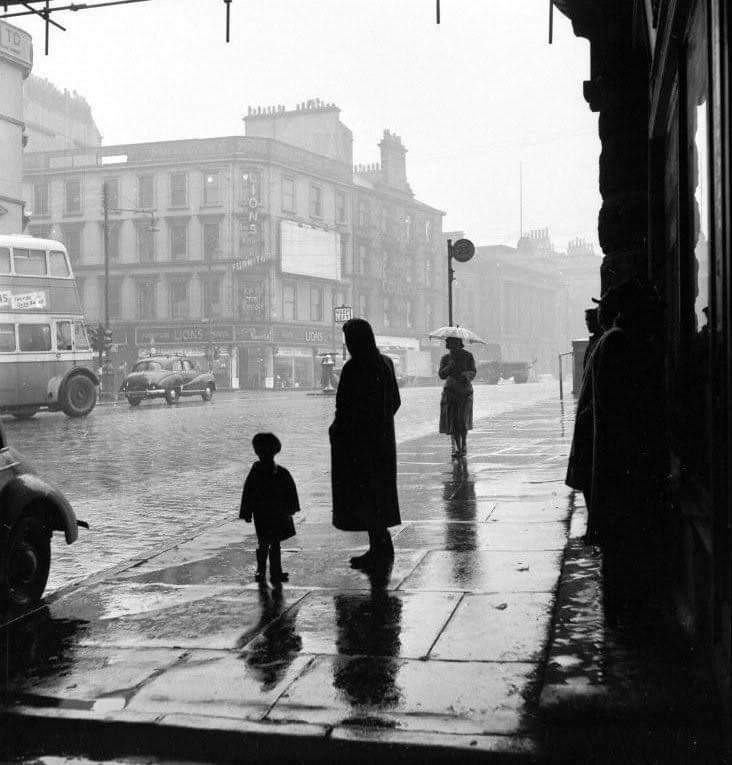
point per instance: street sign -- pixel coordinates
(463, 250)
(342, 314)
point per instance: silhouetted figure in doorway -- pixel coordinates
(363, 446)
(270, 497)
(592, 320)
(457, 369)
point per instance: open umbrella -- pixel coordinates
(466, 335)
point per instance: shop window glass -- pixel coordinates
(34, 337)
(7, 338)
(63, 336)
(695, 304)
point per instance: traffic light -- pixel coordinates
(107, 340)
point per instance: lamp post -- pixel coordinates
(462, 251)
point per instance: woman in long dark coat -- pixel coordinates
(457, 369)
(363, 445)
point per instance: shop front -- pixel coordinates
(210, 346)
(298, 355)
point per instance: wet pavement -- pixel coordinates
(143, 477)
(462, 650)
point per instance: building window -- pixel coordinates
(179, 299)
(113, 233)
(363, 212)
(145, 243)
(146, 300)
(362, 260)
(363, 305)
(316, 202)
(145, 189)
(178, 241)
(212, 188)
(251, 301)
(72, 240)
(40, 198)
(288, 195)
(178, 189)
(212, 298)
(72, 197)
(112, 185)
(115, 298)
(289, 305)
(316, 304)
(211, 241)
(340, 207)
(428, 230)
(408, 228)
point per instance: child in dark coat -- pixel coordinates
(270, 497)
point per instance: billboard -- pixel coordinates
(309, 251)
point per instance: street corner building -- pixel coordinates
(660, 83)
(235, 250)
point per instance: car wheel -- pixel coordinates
(133, 401)
(171, 396)
(28, 562)
(207, 395)
(519, 379)
(79, 396)
(24, 414)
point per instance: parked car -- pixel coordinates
(30, 511)
(168, 377)
(493, 371)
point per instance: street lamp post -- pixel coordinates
(462, 251)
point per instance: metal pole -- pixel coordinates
(561, 384)
(105, 202)
(450, 277)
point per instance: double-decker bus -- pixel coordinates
(46, 361)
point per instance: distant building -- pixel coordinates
(16, 60)
(237, 249)
(57, 120)
(528, 299)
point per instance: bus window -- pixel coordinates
(29, 262)
(34, 337)
(80, 339)
(7, 338)
(57, 265)
(63, 336)
(4, 260)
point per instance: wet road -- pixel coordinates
(144, 477)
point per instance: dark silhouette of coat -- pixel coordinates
(457, 369)
(363, 446)
(270, 497)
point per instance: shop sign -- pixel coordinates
(342, 314)
(186, 333)
(15, 44)
(253, 333)
(309, 335)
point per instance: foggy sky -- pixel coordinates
(472, 98)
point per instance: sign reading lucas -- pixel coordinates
(24, 301)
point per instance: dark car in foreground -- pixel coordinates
(30, 511)
(168, 377)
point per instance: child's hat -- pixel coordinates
(266, 443)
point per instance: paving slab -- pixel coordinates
(505, 627)
(486, 571)
(434, 696)
(453, 535)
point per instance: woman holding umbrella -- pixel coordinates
(457, 369)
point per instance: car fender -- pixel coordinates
(171, 381)
(26, 489)
(56, 384)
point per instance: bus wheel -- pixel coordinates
(24, 414)
(207, 395)
(171, 396)
(79, 396)
(28, 562)
(133, 401)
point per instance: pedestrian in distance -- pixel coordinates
(270, 498)
(457, 369)
(363, 446)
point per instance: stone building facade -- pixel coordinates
(236, 249)
(660, 84)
